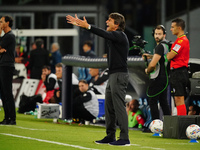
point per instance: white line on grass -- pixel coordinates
(180, 143)
(135, 145)
(52, 142)
(147, 147)
(27, 128)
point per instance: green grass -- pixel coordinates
(69, 136)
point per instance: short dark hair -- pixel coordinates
(46, 67)
(119, 20)
(9, 19)
(179, 22)
(89, 43)
(39, 42)
(83, 81)
(160, 27)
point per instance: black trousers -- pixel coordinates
(153, 103)
(6, 78)
(80, 112)
(115, 109)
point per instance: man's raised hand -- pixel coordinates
(77, 22)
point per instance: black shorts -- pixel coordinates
(179, 81)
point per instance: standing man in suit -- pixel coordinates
(7, 59)
(38, 58)
(115, 109)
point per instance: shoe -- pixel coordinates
(5, 122)
(146, 130)
(105, 140)
(120, 142)
(12, 122)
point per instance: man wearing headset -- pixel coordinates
(157, 71)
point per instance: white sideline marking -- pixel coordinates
(52, 142)
(147, 147)
(152, 148)
(23, 127)
(135, 145)
(28, 128)
(180, 143)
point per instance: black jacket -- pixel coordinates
(118, 48)
(38, 58)
(8, 42)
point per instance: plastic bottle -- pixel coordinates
(35, 112)
(68, 121)
(28, 113)
(140, 126)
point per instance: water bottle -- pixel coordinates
(36, 112)
(29, 113)
(140, 126)
(68, 121)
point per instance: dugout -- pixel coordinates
(138, 80)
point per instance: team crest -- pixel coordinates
(180, 41)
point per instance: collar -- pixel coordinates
(181, 36)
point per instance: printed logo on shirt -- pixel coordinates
(84, 94)
(106, 73)
(177, 47)
(180, 41)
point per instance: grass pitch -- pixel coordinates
(43, 134)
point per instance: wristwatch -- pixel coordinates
(89, 27)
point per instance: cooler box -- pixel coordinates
(175, 126)
(48, 111)
(101, 99)
(195, 87)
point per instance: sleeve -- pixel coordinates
(140, 119)
(95, 90)
(86, 97)
(80, 99)
(176, 48)
(113, 36)
(58, 99)
(5, 41)
(159, 50)
(102, 78)
(50, 85)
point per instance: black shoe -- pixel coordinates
(146, 130)
(12, 122)
(5, 122)
(105, 140)
(120, 142)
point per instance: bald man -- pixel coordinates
(135, 117)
